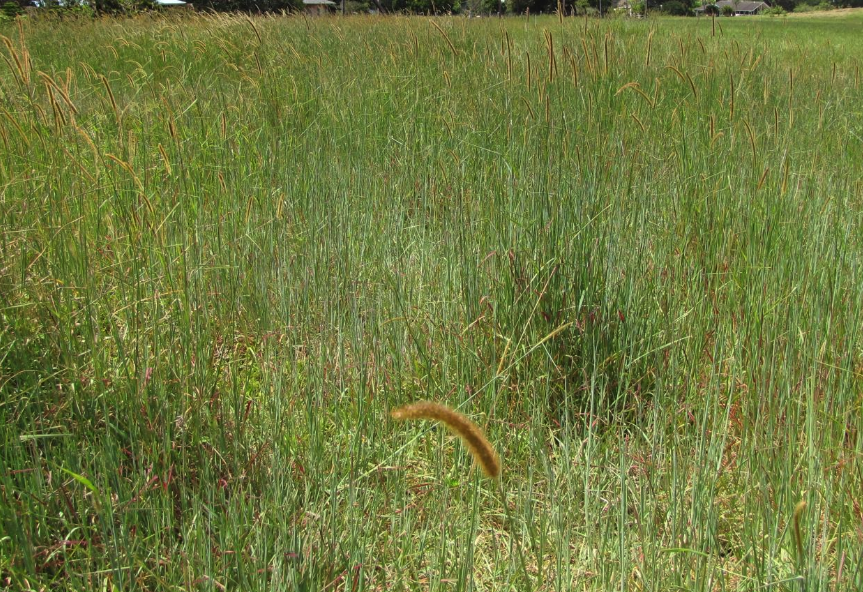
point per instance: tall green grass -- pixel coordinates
(631, 251)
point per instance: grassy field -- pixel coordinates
(842, 13)
(630, 250)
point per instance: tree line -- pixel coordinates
(472, 7)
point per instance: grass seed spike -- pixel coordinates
(468, 431)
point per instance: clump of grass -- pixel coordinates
(469, 432)
(477, 443)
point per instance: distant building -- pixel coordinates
(318, 7)
(172, 3)
(741, 8)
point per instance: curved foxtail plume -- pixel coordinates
(468, 431)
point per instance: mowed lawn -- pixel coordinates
(631, 251)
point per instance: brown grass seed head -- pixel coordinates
(468, 431)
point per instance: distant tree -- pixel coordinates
(727, 10)
(108, 7)
(676, 8)
(415, 6)
(356, 7)
(10, 10)
(492, 6)
(250, 5)
(551, 6)
(522, 6)
(588, 7)
(787, 5)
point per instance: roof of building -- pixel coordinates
(170, 2)
(318, 3)
(743, 6)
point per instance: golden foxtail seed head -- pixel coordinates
(468, 431)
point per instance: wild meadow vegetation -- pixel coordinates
(630, 251)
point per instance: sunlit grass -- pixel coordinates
(629, 250)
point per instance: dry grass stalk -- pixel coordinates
(468, 431)
(508, 42)
(751, 143)
(649, 43)
(552, 63)
(731, 83)
(446, 38)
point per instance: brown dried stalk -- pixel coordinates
(468, 431)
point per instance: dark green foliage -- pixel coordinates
(569, 7)
(10, 9)
(250, 5)
(418, 6)
(676, 8)
(354, 7)
(522, 6)
(493, 6)
(108, 6)
(813, 7)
